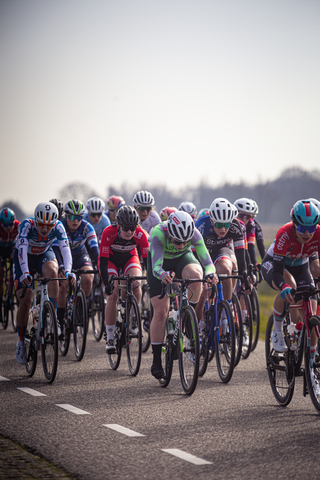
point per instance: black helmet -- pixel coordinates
(127, 216)
(59, 206)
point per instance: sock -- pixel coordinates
(313, 350)
(110, 332)
(277, 321)
(21, 334)
(156, 350)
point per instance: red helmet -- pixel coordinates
(166, 212)
(115, 202)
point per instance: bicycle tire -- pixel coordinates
(13, 310)
(5, 311)
(189, 350)
(238, 328)
(31, 351)
(80, 325)
(246, 349)
(225, 343)
(97, 311)
(49, 342)
(65, 329)
(255, 308)
(133, 335)
(114, 358)
(280, 370)
(314, 321)
(166, 358)
(204, 346)
(145, 313)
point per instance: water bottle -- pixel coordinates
(296, 334)
(290, 331)
(173, 315)
(36, 313)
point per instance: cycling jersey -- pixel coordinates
(151, 221)
(98, 227)
(259, 239)
(30, 242)
(112, 222)
(7, 239)
(251, 240)
(84, 235)
(162, 248)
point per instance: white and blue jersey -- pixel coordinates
(99, 227)
(84, 235)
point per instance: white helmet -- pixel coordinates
(47, 213)
(95, 205)
(188, 207)
(180, 226)
(315, 202)
(143, 199)
(74, 207)
(245, 205)
(256, 208)
(221, 210)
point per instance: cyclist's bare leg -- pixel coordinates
(193, 271)
(50, 270)
(136, 289)
(87, 280)
(23, 310)
(111, 306)
(160, 310)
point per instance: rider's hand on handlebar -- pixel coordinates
(71, 276)
(168, 277)
(286, 293)
(108, 289)
(212, 278)
(25, 279)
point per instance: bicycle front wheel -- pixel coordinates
(255, 308)
(80, 325)
(30, 340)
(13, 309)
(238, 328)
(97, 311)
(280, 367)
(5, 311)
(189, 350)
(146, 316)
(49, 341)
(204, 344)
(166, 358)
(312, 366)
(65, 329)
(114, 358)
(246, 311)
(225, 342)
(133, 335)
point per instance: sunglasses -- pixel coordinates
(177, 242)
(112, 210)
(42, 225)
(95, 215)
(132, 228)
(303, 229)
(142, 209)
(221, 225)
(7, 225)
(244, 216)
(75, 217)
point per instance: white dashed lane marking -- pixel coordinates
(32, 392)
(4, 379)
(72, 409)
(124, 430)
(186, 456)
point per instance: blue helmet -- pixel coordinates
(305, 213)
(7, 216)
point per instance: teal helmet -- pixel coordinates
(203, 212)
(7, 216)
(305, 213)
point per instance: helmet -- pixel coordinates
(127, 216)
(305, 213)
(95, 205)
(143, 199)
(74, 207)
(221, 210)
(47, 213)
(7, 216)
(166, 212)
(203, 212)
(245, 205)
(180, 226)
(315, 202)
(188, 207)
(59, 206)
(256, 208)
(115, 202)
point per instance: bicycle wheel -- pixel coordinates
(225, 343)
(114, 358)
(97, 311)
(49, 342)
(65, 329)
(166, 358)
(238, 327)
(189, 350)
(245, 305)
(80, 325)
(204, 345)
(30, 339)
(13, 310)
(133, 335)
(312, 367)
(280, 368)
(255, 308)
(145, 312)
(5, 310)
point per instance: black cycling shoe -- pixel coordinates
(157, 371)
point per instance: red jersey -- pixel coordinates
(113, 246)
(7, 238)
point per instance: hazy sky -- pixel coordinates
(159, 91)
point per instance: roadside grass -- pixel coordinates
(266, 296)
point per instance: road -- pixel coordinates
(80, 422)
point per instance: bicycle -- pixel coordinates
(245, 305)
(96, 308)
(146, 316)
(42, 331)
(255, 306)
(128, 333)
(181, 339)
(283, 368)
(9, 299)
(75, 318)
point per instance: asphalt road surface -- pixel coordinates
(96, 423)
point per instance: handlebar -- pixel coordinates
(43, 281)
(184, 281)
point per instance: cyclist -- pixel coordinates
(143, 202)
(84, 249)
(59, 206)
(166, 212)
(118, 250)
(94, 215)
(33, 252)
(224, 239)
(188, 207)
(114, 203)
(286, 265)
(203, 212)
(246, 209)
(258, 231)
(169, 255)
(8, 233)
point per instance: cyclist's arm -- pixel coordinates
(92, 242)
(103, 267)
(64, 247)
(259, 240)
(23, 245)
(156, 250)
(202, 253)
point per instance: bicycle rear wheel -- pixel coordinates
(255, 308)
(313, 372)
(49, 342)
(65, 329)
(145, 311)
(238, 328)
(30, 339)
(80, 325)
(204, 345)
(245, 305)
(280, 368)
(166, 358)
(189, 350)
(225, 343)
(97, 311)
(5, 311)
(13, 309)
(133, 335)
(114, 358)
